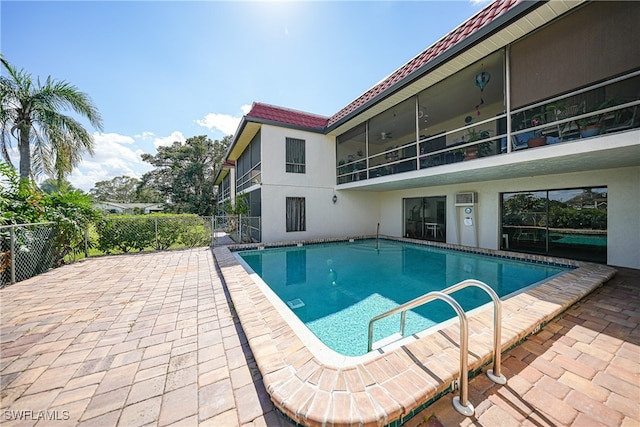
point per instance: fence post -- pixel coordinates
(213, 231)
(155, 222)
(12, 252)
(240, 227)
(86, 242)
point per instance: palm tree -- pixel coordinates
(32, 113)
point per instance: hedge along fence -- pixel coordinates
(27, 250)
(126, 233)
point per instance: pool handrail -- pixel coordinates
(494, 374)
(461, 403)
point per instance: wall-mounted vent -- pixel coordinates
(466, 199)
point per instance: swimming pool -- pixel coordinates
(336, 288)
(314, 385)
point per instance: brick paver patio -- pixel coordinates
(152, 339)
(128, 340)
(581, 370)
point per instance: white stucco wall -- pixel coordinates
(354, 215)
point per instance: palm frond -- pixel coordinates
(35, 112)
(60, 95)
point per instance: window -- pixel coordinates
(225, 188)
(295, 160)
(295, 214)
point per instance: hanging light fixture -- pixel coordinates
(482, 79)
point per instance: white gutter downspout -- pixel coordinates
(507, 82)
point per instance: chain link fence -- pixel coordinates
(27, 250)
(137, 233)
(240, 228)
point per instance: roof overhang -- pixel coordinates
(243, 136)
(250, 126)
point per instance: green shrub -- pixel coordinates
(22, 203)
(126, 233)
(195, 233)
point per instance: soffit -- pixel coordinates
(247, 132)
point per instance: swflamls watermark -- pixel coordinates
(30, 415)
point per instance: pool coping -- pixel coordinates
(313, 387)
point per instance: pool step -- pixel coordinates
(295, 303)
(386, 341)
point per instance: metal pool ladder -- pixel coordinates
(460, 403)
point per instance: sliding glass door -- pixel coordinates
(570, 223)
(424, 218)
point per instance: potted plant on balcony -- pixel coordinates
(478, 150)
(538, 139)
(592, 125)
(588, 130)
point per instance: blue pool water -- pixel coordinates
(336, 288)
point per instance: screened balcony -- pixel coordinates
(422, 132)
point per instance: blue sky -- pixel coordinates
(161, 71)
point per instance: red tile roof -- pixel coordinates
(286, 115)
(473, 24)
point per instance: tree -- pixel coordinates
(121, 189)
(32, 113)
(51, 186)
(184, 174)
(146, 194)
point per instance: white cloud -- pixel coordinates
(115, 155)
(225, 123)
(14, 155)
(145, 135)
(168, 140)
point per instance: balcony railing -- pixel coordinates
(604, 108)
(250, 178)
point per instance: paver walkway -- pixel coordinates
(151, 339)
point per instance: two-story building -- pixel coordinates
(518, 130)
